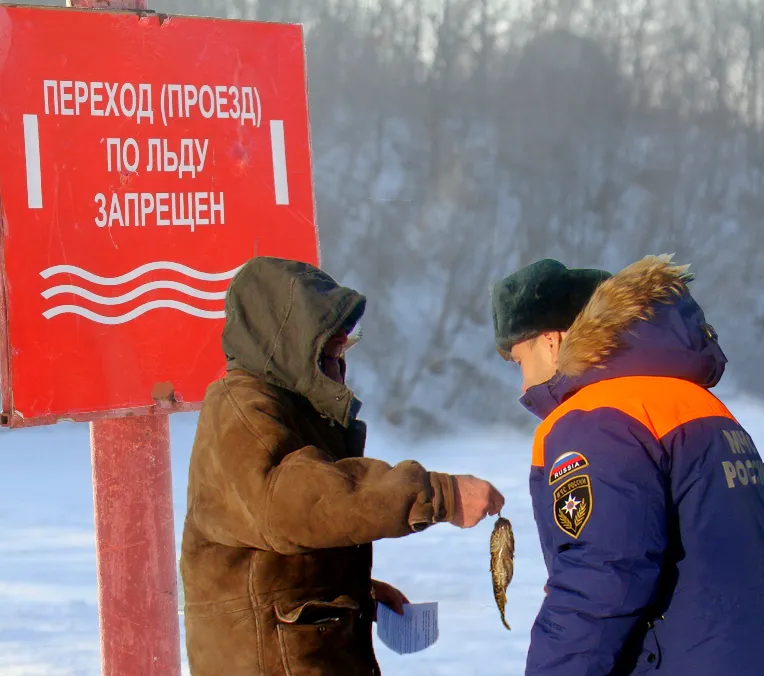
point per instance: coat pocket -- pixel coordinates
(318, 637)
(221, 638)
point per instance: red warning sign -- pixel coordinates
(143, 160)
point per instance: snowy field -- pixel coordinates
(48, 614)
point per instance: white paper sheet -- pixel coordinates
(411, 632)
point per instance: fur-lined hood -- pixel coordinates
(641, 321)
(618, 302)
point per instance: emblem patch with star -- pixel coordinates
(573, 505)
(565, 464)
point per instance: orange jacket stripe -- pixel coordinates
(660, 404)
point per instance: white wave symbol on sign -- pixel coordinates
(139, 291)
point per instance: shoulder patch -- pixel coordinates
(573, 505)
(565, 464)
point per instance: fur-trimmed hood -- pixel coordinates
(629, 296)
(642, 321)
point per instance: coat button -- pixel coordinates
(652, 657)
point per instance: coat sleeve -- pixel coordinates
(604, 574)
(264, 488)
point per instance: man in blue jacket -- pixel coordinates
(647, 494)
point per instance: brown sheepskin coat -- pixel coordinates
(282, 505)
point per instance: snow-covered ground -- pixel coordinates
(48, 614)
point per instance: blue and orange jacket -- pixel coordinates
(647, 493)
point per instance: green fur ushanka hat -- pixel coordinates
(544, 296)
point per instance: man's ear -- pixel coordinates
(557, 339)
(552, 340)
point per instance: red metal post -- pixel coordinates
(135, 547)
(135, 536)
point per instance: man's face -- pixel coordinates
(537, 358)
(333, 350)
